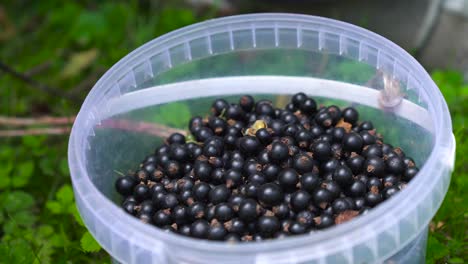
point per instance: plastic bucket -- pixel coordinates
(269, 55)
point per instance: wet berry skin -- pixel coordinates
(223, 212)
(389, 192)
(162, 218)
(247, 103)
(297, 228)
(248, 210)
(322, 197)
(343, 176)
(270, 194)
(200, 229)
(129, 207)
(268, 225)
(141, 192)
(288, 179)
(298, 99)
(372, 199)
(124, 185)
(300, 200)
(249, 145)
(234, 111)
(310, 181)
(219, 194)
(321, 150)
(308, 106)
(303, 163)
(395, 165)
(375, 167)
(350, 115)
(353, 142)
(410, 173)
(217, 232)
(357, 189)
(356, 163)
(201, 191)
(340, 205)
(218, 106)
(279, 152)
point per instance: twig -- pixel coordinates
(35, 131)
(120, 124)
(38, 68)
(45, 120)
(34, 83)
(144, 127)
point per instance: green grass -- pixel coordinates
(74, 43)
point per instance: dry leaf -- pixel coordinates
(78, 62)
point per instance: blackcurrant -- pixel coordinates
(343, 176)
(310, 181)
(247, 103)
(374, 166)
(298, 99)
(300, 200)
(263, 136)
(303, 163)
(125, 185)
(223, 212)
(350, 115)
(176, 138)
(353, 142)
(409, 173)
(268, 225)
(279, 152)
(200, 229)
(270, 194)
(218, 106)
(249, 145)
(162, 218)
(219, 194)
(288, 179)
(248, 210)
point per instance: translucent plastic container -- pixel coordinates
(271, 56)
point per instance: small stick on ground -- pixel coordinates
(44, 120)
(35, 131)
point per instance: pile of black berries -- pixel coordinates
(251, 171)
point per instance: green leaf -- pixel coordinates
(18, 251)
(45, 231)
(44, 253)
(435, 249)
(23, 174)
(4, 181)
(456, 261)
(63, 166)
(5, 170)
(65, 195)
(56, 240)
(76, 215)
(55, 207)
(17, 200)
(47, 165)
(173, 114)
(6, 152)
(23, 218)
(10, 227)
(88, 243)
(33, 142)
